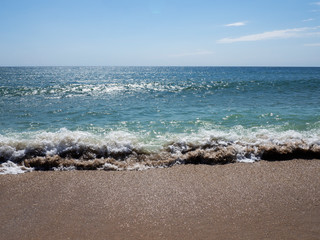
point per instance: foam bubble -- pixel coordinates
(12, 168)
(125, 150)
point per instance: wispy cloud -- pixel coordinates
(286, 33)
(236, 24)
(316, 3)
(187, 54)
(312, 45)
(308, 20)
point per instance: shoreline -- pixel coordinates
(263, 200)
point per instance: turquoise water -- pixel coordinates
(149, 108)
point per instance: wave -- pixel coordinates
(96, 89)
(124, 150)
(102, 89)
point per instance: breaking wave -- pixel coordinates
(94, 89)
(125, 150)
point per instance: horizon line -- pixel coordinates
(158, 66)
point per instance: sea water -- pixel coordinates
(124, 118)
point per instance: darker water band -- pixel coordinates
(88, 158)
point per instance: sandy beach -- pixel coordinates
(264, 200)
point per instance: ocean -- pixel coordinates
(136, 118)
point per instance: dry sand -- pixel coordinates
(264, 200)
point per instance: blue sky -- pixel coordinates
(154, 32)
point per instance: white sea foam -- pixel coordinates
(62, 168)
(12, 168)
(247, 145)
(95, 89)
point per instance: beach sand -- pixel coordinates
(263, 200)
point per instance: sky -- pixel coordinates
(159, 33)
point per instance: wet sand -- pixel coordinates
(264, 200)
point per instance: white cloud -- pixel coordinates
(312, 45)
(316, 3)
(308, 20)
(187, 54)
(286, 33)
(236, 24)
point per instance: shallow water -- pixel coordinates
(142, 117)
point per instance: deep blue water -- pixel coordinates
(162, 99)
